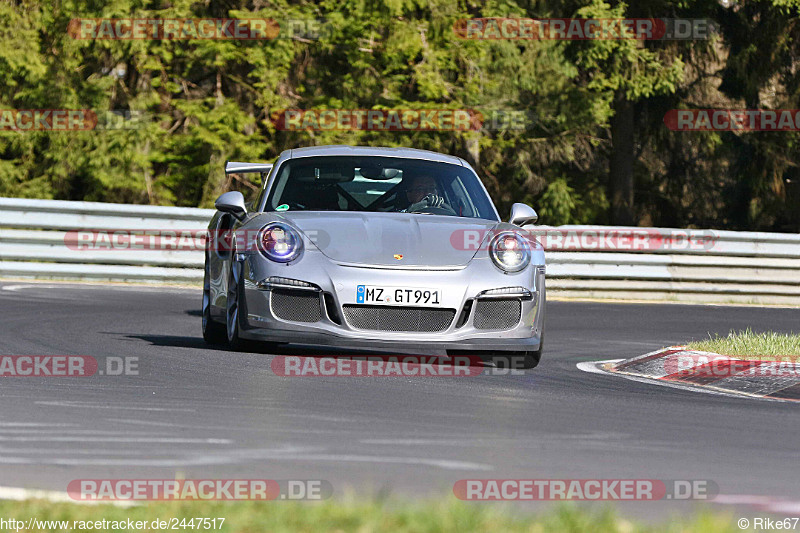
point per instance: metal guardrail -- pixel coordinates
(582, 261)
(675, 264)
(33, 241)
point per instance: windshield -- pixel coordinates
(378, 184)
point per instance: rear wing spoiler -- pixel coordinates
(232, 167)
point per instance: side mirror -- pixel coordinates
(522, 214)
(232, 202)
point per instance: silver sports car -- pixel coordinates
(378, 248)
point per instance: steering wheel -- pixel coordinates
(444, 209)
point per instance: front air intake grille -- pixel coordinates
(391, 318)
(497, 314)
(295, 305)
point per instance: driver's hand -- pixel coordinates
(434, 200)
(429, 200)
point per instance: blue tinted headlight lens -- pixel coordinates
(279, 242)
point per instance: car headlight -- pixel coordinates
(510, 251)
(279, 242)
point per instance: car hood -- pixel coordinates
(374, 239)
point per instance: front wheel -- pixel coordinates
(233, 311)
(517, 360)
(213, 332)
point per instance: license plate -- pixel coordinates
(374, 294)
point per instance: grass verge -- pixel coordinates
(750, 345)
(440, 515)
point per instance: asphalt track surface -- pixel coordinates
(205, 412)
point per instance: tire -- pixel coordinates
(233, 311)
(213, 331)
(517, 360)
(520, 360)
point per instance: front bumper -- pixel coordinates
(336, 287)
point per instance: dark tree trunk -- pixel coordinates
(621, 164)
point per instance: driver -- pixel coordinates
(421, 192)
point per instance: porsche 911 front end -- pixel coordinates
(376, 248)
